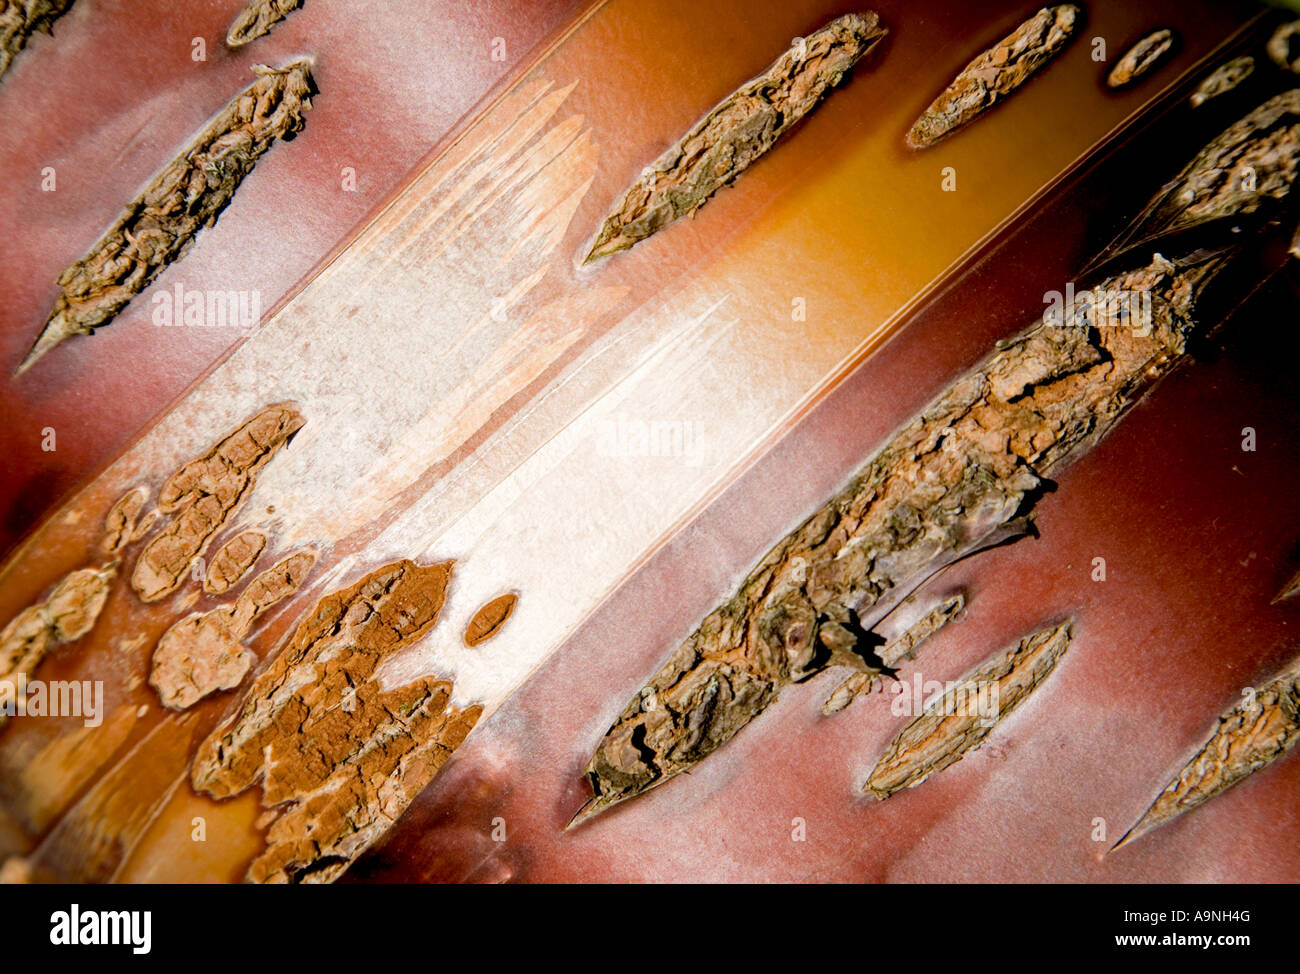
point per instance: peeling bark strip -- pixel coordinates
(341, 756)
(487, 621)
(953, 725)
(232, 561)
(1223, 79)
(953, 481)
(743, 126)
(257, 18)
(996, 73)
(160, 225)
(1141, 58)
(904, 647)
(68, 613)
(205, 652)
(1284, 47)
(120, 522)
(1250, 736)
(203, 495)
(20, 19)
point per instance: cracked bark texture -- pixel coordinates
(335, 752)
(161, 224)
(1223, 79)
(232, 561)
(257, 18)
(489, 619)
(740, 129)
(68, 613)
(204, 494)
(895, 651)
(1249, 737)
(20, 19)
(996, 73)
(205, 652)
(953, 481)
(1139, 59)
(943, 735)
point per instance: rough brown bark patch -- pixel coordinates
(204, 494)
(1252, 735)
(996, 73)
(1139, 59)
(340, 756)
(954, 724)
(68, 613)
(1250, 166)
(741, 128)
(1223, 79)
(205, 652)
(488, 620)
(160, 225)
(257, 18)
(120, 522)
(232, 561)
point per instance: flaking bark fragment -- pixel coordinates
(204, 494)
(257, 18)
(161, 224)
(1284, 47)
(1139, 59)
(488, 620)
(232, 561)
(1223, 79)
(958, 722)
(205, 652)
(996, 73)
(120, 522)
(67, 613)
(740, 129)
(20, 19)
(337, 754)
(894, 652)
(956, 479)
(1250, 736)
